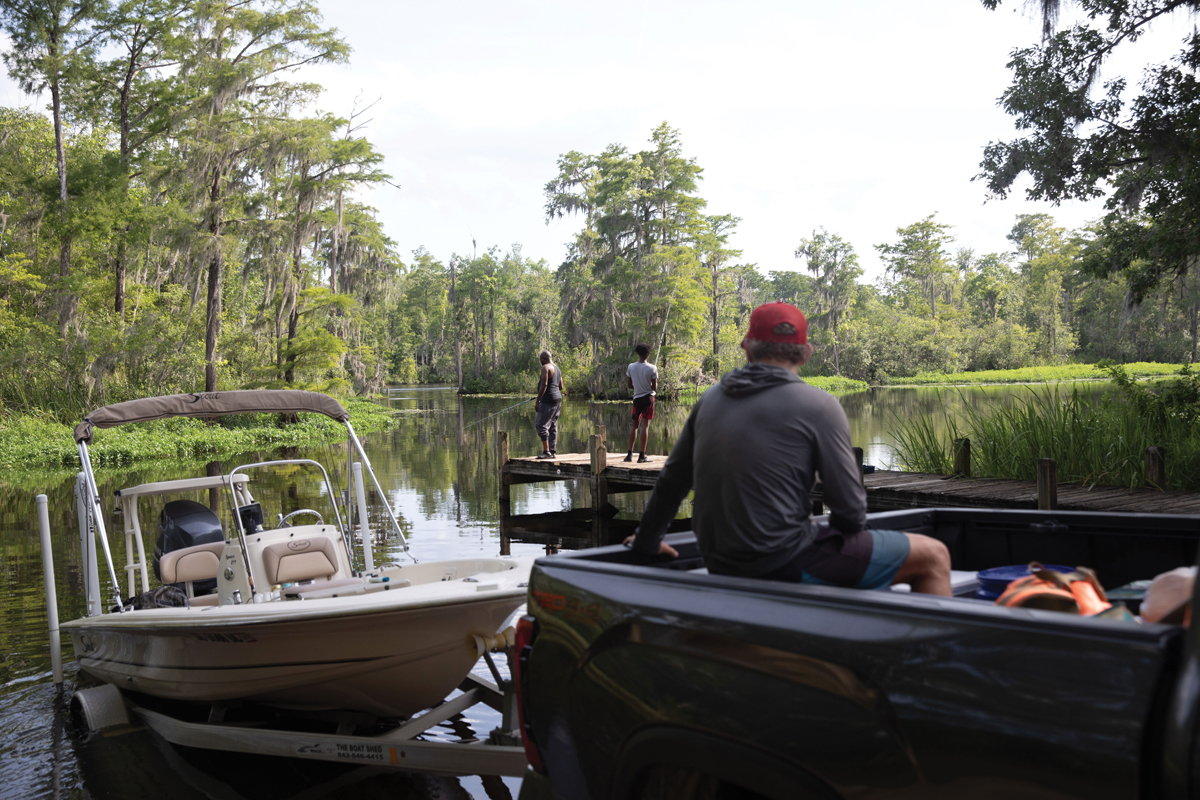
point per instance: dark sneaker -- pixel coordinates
(554, 453)
(628, 456)
(545, 454)
(642, 458)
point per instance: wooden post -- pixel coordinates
(505, 497)
(858, 456)
(1156, 467)
(1047, 484)
(962, 457)
(599, 456)
(602, 432)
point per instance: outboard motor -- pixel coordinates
(186, 523)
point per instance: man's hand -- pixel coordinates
(537, 406)
(664, 549)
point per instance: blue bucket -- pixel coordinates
(993, 582)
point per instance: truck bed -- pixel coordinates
(647, 664)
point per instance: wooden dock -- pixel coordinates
(605, 473)
(608, 474)
(890, 491)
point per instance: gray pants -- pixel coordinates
(547, 422)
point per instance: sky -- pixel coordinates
(856, 117)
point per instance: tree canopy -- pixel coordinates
(1084, 136)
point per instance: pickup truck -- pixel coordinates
(645, 677)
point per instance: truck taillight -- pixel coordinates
(526, 632)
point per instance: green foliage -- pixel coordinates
(919, 261)
(647, 265)
(832, 384)
(1174, 401)
(187, 220)
(1083, 138)
(29, 441)
(834, 266)
(1065, 372)
(1093, 441)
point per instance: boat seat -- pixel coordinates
(300, 560)
(203, 600)
(199, 563)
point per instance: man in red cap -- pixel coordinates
(751, 449)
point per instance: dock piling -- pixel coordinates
(43, 516)
(1156, 467)
(1047, 484)
(962, 457)
(599, 453)
(505, 496)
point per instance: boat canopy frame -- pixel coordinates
(210, 406)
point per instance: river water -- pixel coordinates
(439, 469)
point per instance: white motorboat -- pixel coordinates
(299, 616)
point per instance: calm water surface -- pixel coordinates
(439, 469)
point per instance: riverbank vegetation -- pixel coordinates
(1047, 374)
(1094, 440)
(185, 217)
(28, 442)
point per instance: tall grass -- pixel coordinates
(1062, 372)
(1094, 441)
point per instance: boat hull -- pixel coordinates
(387, 659)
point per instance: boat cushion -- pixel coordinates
(198, 563)
(300, 560)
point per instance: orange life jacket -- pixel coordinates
(1077, 592)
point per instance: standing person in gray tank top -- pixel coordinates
(643, 382)
(548, 404)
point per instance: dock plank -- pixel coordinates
(889, 489)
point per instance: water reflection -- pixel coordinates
(439, 471)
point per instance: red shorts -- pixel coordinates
(643, 407)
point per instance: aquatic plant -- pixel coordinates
(34, 441)
(1049, 374)
(1093, 440)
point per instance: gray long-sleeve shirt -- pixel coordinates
(752, 448)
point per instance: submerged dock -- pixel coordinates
(607, 474)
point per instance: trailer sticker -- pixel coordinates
(345, 751)
(360, 752)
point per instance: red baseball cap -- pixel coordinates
(778, 322)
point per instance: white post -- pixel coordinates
(363, 528)
(51, 596)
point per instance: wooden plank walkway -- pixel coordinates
(886, 491)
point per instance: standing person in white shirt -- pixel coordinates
(643, 380)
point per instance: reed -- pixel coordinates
(1094, 441)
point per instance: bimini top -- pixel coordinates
(209, 405)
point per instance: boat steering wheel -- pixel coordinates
(285, 523)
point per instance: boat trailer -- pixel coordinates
(396, 748)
